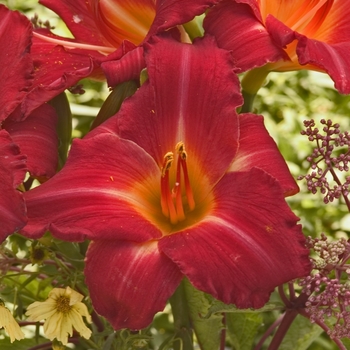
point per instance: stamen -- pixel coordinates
(168, 160)
(188, 188)
(175, 211)
(177, 192)
(168, 208)
(180, 148)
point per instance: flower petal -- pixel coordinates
(105, 182)
(332, 58)
(16, 63)
(170, 13)
(37, 138)
(79, 324)
(79, 17)
(167, 109)
(124, 64)
(258, 149)
(56, 69)
(250, 243)
(12, 172)
(238, 27)
(129, 282)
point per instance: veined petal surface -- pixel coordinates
(291, 35)
(79, 18)
(37, 139)
(238, 28)
(129, 282)
(104, 192)
(16, 64)
(250, 243)
(12, 172)
(173, 12)
(258, 149)
(56, 69)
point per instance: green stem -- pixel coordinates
(251, 83)
(248, 102)
(182, 323)
(287, 320)
(193, 29)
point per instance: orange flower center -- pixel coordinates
(172, 201)
(303, 16)
(129, 20)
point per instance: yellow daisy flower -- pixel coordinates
(9, 323)
(61, 311)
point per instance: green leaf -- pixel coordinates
(208, 329)
(114, 101)
(64, 126)
(243, 328)
(346, 342)
(300, 335)
(219, 307)
(23, 344)
(109, 341)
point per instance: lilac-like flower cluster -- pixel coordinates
(329, 288)
(330, 156)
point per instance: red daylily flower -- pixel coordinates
(16, 62)
(286, 35)
(176, 183)
(100, 27)
(12, 171)
(36, 135)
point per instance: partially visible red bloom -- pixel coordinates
(100, 27)
(176, 184)
(12, 171)
(36, 135)
(16, 63)
(286, 35)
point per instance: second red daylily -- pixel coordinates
(99, 29)
(176, 184)
(286, 35)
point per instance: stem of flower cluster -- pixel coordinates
(182, 323)
(286, 322)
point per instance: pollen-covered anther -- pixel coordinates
(172, 200)
(168, 160)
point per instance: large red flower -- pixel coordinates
(99, 27)
(176, 184)
(288, 35)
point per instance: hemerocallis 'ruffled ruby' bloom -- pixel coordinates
(176, 184)
(12, 172)
(100, 27)
(286, 35)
